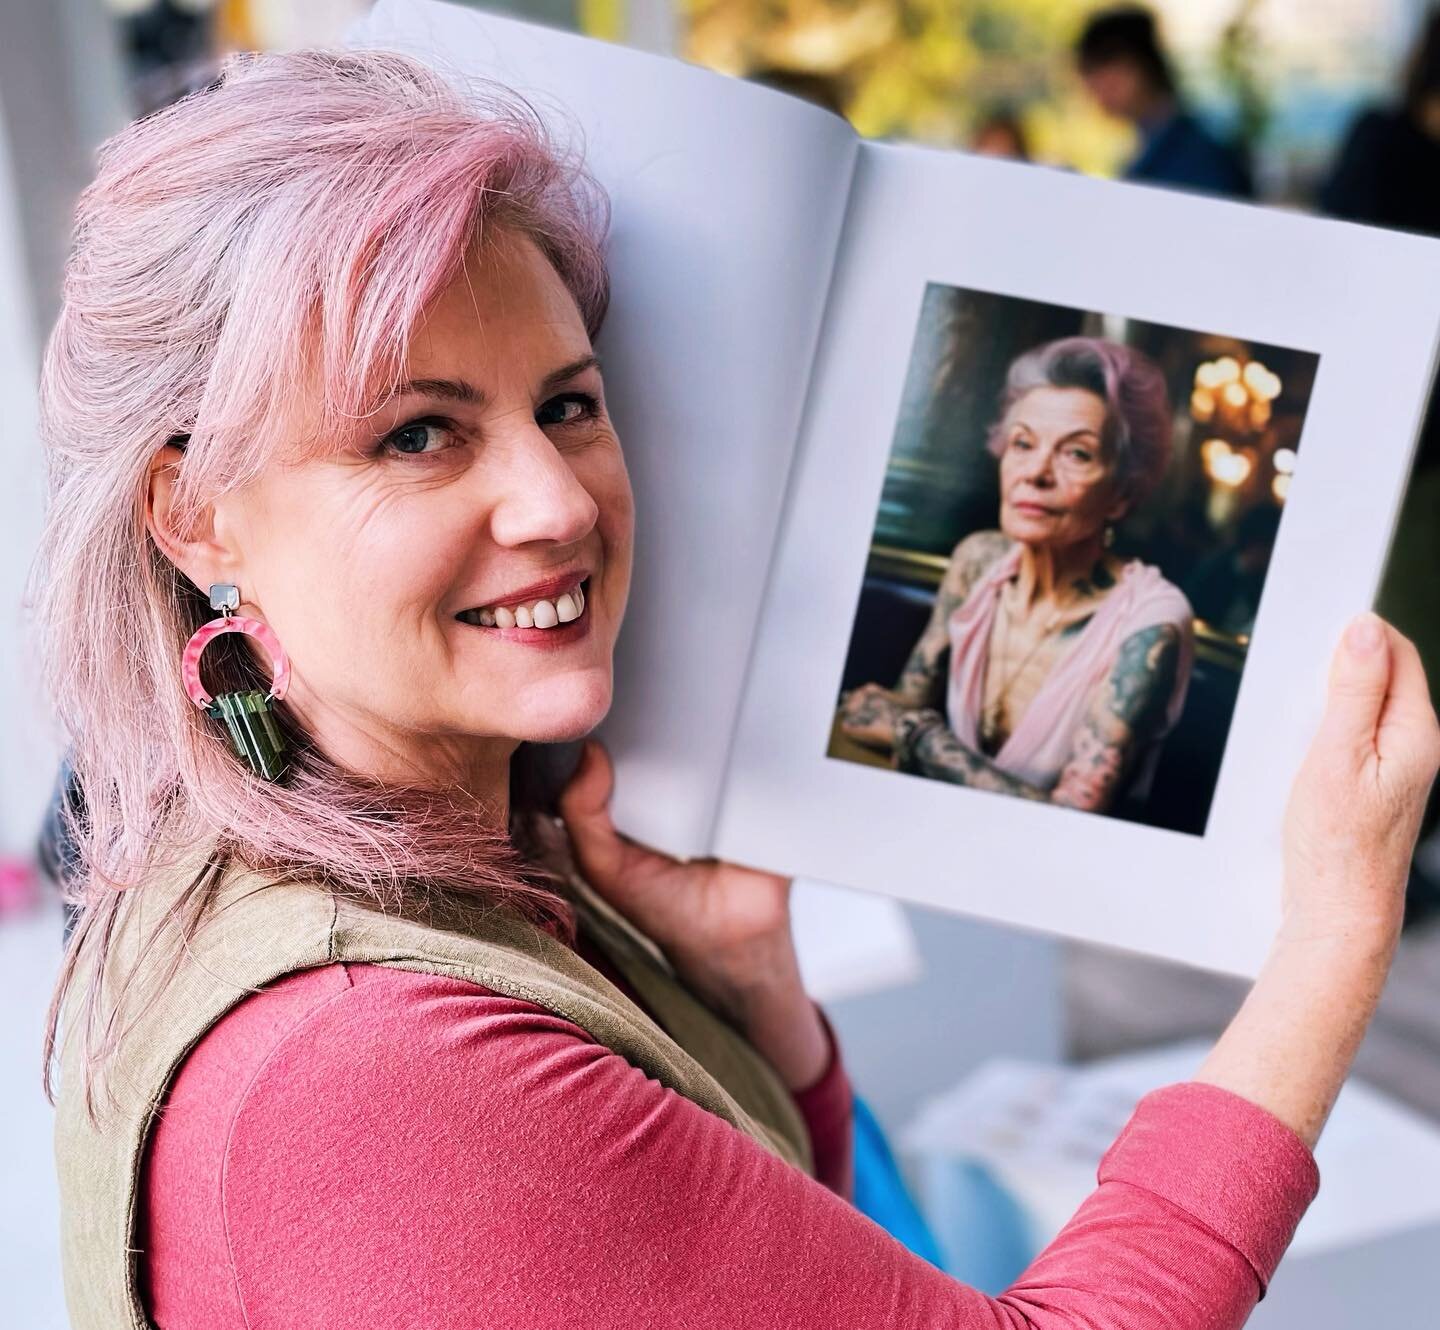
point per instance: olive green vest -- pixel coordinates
(259, 929)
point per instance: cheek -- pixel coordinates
(352, 586)
(608, 483)
(1091, 500)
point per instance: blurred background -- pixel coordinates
(997, 1064)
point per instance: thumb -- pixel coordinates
(584, 806)
(1359, 682)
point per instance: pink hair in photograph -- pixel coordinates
(271, 240)
(1139, 421)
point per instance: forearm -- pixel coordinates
(780, 1020)
(934, 751)
(1292, 1043)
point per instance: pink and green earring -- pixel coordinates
(247, 714)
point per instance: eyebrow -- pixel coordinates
(1064, 438)
(458, 390)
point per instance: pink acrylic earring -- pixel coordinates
(247, 714)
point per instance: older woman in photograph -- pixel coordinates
(1066, 664)
(354, 1031)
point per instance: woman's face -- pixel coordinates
(1057, 485)
(494, 480)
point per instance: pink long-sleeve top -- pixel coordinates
(356, 1146)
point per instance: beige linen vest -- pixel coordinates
(259, 929)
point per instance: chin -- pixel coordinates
(1027, 530)
(564, 709)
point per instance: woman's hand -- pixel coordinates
(868, 715)
(1356, 805)
(725, 928)
(1350, 828)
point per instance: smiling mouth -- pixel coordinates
(544, 612)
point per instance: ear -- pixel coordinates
(201, 552)
(1120, 506)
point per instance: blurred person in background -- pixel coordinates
(1000, 134)
(1126, 69)
(1388, 170)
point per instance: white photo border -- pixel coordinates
(1366, 301)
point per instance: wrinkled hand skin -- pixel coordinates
(1359, 797)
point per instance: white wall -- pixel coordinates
(61, 93)
(27, 753)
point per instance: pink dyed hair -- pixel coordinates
(1138, 419)
(278, 233)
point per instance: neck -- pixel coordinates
(475, 769)
(1048, 574)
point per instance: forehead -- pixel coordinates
(1060, 410)
(506, 306)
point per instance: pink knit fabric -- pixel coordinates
(357, 1146)
(1044, 738)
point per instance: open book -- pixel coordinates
(831, 363)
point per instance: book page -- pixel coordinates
(727, 201)
(1214, 405)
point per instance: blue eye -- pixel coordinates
(415, 438)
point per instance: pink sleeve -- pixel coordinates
(420, 1153)
(828, 1108)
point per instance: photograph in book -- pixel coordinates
(1071, 545)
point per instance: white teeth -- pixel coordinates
(535, 614)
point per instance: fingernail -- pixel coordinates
(1363, 635)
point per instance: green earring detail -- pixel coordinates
(247, 713)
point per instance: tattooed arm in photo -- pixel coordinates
(1126, 713)
(869, 712)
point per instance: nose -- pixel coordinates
(539, 497)
(1038, 467)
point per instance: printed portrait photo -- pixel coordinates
(1069, 555)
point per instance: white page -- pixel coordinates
(727, 205)
(1365, 300)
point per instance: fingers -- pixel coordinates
(1409, 689)
(1379, 704)
(590, 785)
(585, 809)
(1360, 673)
(1408, 731)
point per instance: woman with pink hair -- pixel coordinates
(354, 1029)
(1067, 665)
